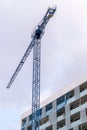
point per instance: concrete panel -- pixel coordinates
(76, 128)
(27, 120)
(52, 117)
(43, 111)
(67, 109)
(77, 92)
(43, 129)
(54, 105)
(68, 124)
(55, 126)
(83, 115)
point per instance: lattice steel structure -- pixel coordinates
(36, 46)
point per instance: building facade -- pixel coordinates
(67, 112)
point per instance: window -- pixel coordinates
(60, 100)
(75, 117)
(86, 111)
(69, 94)
(83, 86)
(74, 104)
(29, 127)
(84, 99)
(61, 112)
(49, 107)
(78, 102)
(61, 124)
(49, 128)
(30, 117)
(44, 120)
(24, 121)
(83, 126)
(39, 112)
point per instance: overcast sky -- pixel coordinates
(63, 52)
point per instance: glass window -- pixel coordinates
(60, 100)
(75, 117)
(84, 99)
(39, 112)
(83, 126)
(29, 128)
(61, 112)
(44, 120)
(83, 86)
(75, 104)
(49, 128)
(30, 117)
(61, 124)
(86, 111)
(23, 121)
(49, 107)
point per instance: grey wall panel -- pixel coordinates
(55, 126)
(67, 109)
(67, 120)
(83, 115)
(54, 105)
(43, 111)
(52, 117)
(76, 128)
(77, 92)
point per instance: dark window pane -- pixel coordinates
(30, 117)
(23, 121)
(61, 112)
(83, 86)
(49, 128)
(39, 112)
(29, 128)
(60, 100)
(48, 107)
(67, 96)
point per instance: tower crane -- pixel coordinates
(35, 44)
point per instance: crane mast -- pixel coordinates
(36, 46)
(36, 85)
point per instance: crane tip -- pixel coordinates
(8, 87)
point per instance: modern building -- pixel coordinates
(66, 112)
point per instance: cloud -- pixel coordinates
(63, 54)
